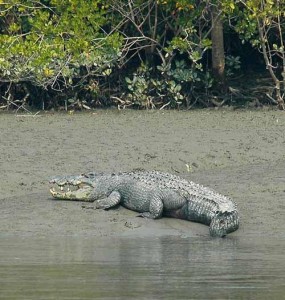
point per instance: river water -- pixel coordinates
(129, 268)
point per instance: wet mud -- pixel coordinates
(238, 153)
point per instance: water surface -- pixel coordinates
(128, 268)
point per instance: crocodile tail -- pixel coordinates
(224, 223)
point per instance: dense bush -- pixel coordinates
(156, 53)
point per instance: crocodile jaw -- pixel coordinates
(82, 193)
(71, 188)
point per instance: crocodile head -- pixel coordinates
(224, 223)
(72, 188)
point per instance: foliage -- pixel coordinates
(232, 65)
(262, 23)
(146, 90)
(55, 43)
(154, 53)
(168, 38)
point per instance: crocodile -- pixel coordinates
(153, 194)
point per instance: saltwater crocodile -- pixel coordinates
(152, 194)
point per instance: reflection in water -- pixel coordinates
(156, 268)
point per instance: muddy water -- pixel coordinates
(59, 250)
(156, 268)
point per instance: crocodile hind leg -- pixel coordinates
(112, 200)
(155, 207)
(166, 202)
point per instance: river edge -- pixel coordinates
(236, 152)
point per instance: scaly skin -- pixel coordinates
(153, 194)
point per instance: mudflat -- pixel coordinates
(238, 153)
(52, 249)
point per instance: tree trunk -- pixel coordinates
(218, 55)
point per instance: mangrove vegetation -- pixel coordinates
(81, 54)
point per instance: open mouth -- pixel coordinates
(65, 188)
(68, 188)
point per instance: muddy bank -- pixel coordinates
(238, 153)
(58, 250)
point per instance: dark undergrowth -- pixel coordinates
(246, 90)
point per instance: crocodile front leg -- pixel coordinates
(112, 200)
